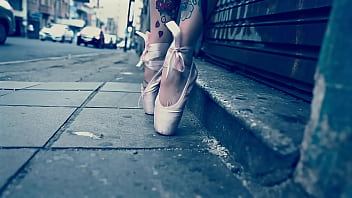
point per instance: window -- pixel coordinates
(16, 4)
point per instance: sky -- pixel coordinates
(116, 9)
(109, 8)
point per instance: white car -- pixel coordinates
(56, 32)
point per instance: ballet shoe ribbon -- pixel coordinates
(146, 44)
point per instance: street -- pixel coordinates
(17, 48)
(45, 61)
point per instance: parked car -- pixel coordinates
(120, 44)
(91, 35)
(56, 32)
(7, 21)
(110, 41)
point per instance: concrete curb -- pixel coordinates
(262, 127)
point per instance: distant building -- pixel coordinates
(42, 12)
(144, 16)
(138, 11)
(82, 11)
(20, 11)
(111, 27)
(32, 15)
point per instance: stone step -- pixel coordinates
(260, 126)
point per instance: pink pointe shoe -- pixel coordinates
(167, 118)
(148, 58)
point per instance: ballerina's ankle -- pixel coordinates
(153, 54)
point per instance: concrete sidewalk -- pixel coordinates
(92, 139)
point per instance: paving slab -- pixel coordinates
(127, 87)
(45, 98)
(11, 160)
(5, 92)
(126, 128)
(123, 173)
(79, 86)
(116, 100)
(16, 84)
(30, 126)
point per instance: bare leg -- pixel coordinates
(191, 23)
(160, 13)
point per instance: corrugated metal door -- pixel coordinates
(277, 40)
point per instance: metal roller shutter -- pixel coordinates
(278, 41)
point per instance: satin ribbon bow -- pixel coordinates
(146, 43)
(176, 60)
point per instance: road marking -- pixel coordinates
(54, 58)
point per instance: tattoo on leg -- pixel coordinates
(187, 7)
(163, 19)
(167, 8)
(157, 24)
(161, 33)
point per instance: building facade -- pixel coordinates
(20, 11)
(32, 15)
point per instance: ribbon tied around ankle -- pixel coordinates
(146, 46)
(176, 53)
(176, 59)
(152, 51)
